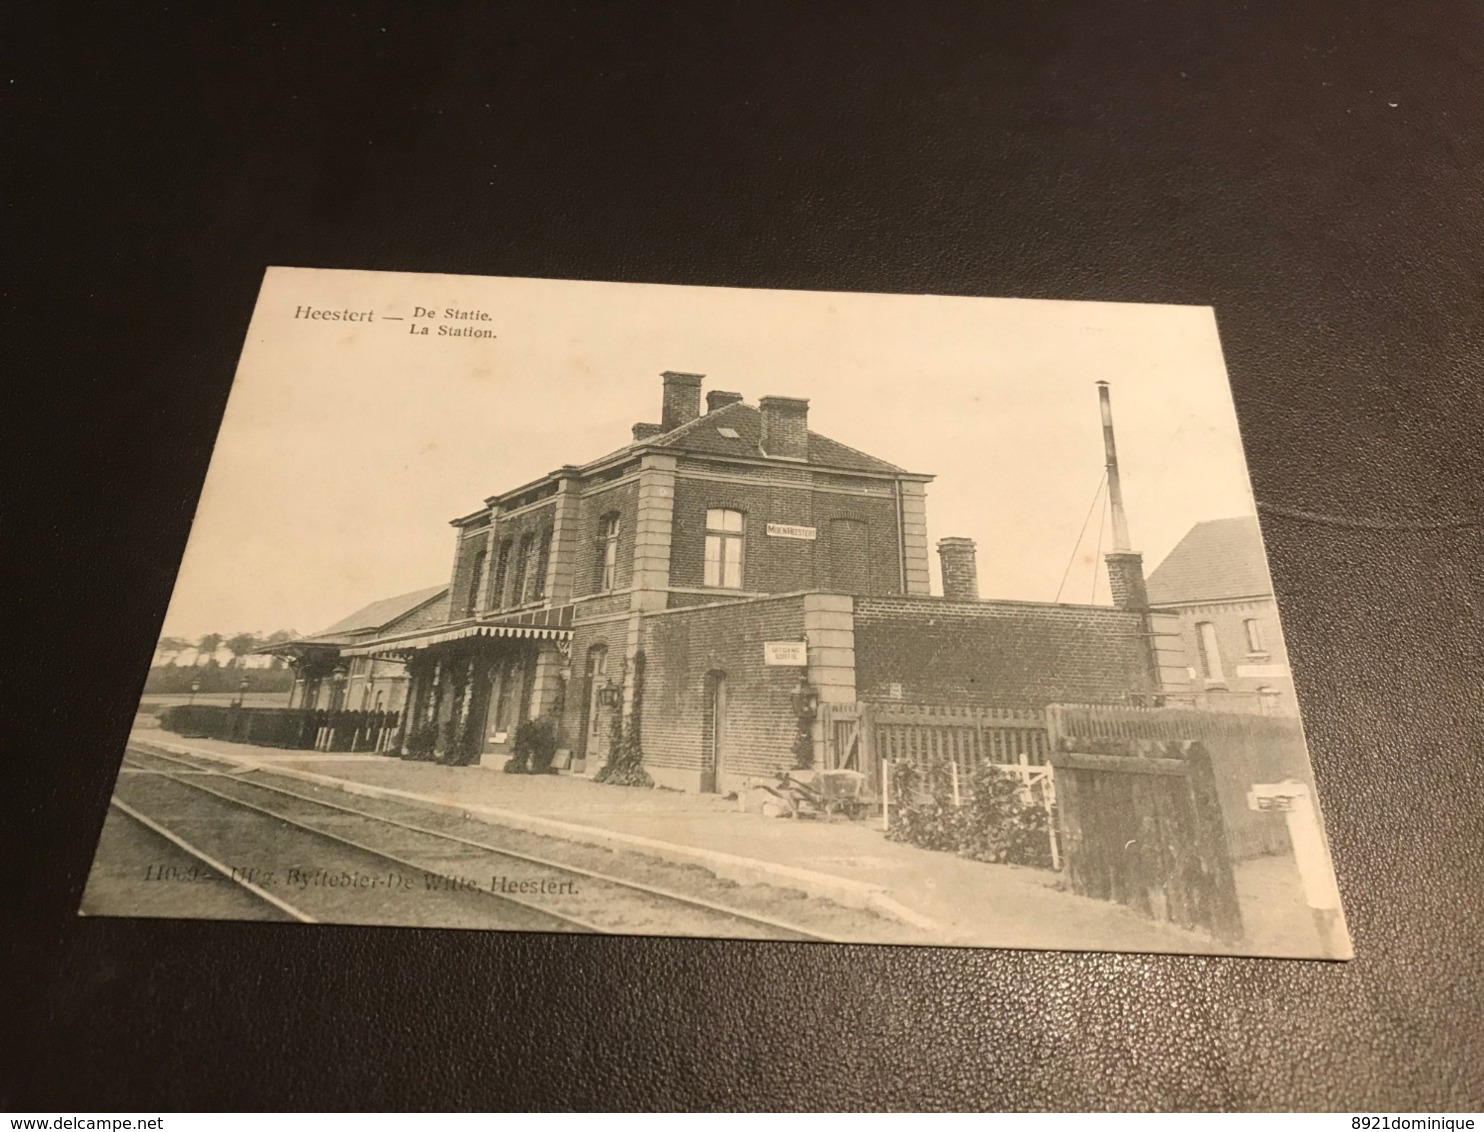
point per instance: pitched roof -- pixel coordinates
(1217, 560)
(702, 436)
(378, 614)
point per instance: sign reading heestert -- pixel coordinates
(789, 530)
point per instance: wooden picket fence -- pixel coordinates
(863, 736)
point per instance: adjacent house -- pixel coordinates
(1216, 581)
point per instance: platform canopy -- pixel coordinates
(537, 624)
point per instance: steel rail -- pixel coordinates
(211, 862)
(383, 854)
(576, 870)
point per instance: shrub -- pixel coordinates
(995, 823)
(535, 746)
(421, 741)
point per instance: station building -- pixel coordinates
(729, 569)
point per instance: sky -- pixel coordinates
(347, 446)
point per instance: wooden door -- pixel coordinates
(596, 676)
(714, 741)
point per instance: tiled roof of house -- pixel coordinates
(1218, 560)
(702, 435)
(377, 615)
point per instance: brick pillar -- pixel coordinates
(914, 537)
(547, 679)
(960, 571)
(565, 536)
(1126, 580)
(650, 585)
(829, 630)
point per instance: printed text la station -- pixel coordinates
(450, 322)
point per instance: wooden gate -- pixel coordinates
(863, 736)
(1141, 825)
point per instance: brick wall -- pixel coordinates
(469, 547)
(513, 529)
(991, 653)
(681, 648)
(859, 550)
(623, 499)
(434, 613)
(1231, 636)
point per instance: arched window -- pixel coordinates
(524, 560)
(502, 569)
(724, 539)
(534, 583)
(543, 562)
(608, 552)
(476, 582)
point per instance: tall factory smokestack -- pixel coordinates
(1125, 565)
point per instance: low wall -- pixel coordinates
(927, 650)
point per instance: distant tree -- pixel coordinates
(169, 648)
(278, 638)
(206, 648)
(240, 645)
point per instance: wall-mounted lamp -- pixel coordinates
(805, 698)
(610, 694)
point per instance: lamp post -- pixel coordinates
(195, 687)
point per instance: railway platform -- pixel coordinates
(947, 899)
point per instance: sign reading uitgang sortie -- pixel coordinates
(785, 652)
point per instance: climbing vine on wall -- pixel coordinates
(625, 765)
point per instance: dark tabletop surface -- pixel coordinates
(1315, 171)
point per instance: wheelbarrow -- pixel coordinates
(815, 794)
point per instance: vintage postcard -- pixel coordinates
(559, 606)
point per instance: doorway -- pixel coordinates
(713, 738)
(596, 678)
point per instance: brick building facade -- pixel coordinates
(1216, 582)
(759, 567)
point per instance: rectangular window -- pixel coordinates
(724, 549)
(608, 554)
(1254, 635)
(1210, 652)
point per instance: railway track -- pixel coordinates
(310, 859)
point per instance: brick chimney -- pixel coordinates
(785, 427)
(1126, 580)
(717, 399)
(645, 431)
(682, 402)
(960, 571)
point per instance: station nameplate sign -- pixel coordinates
(788, 530)
(786, 652)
